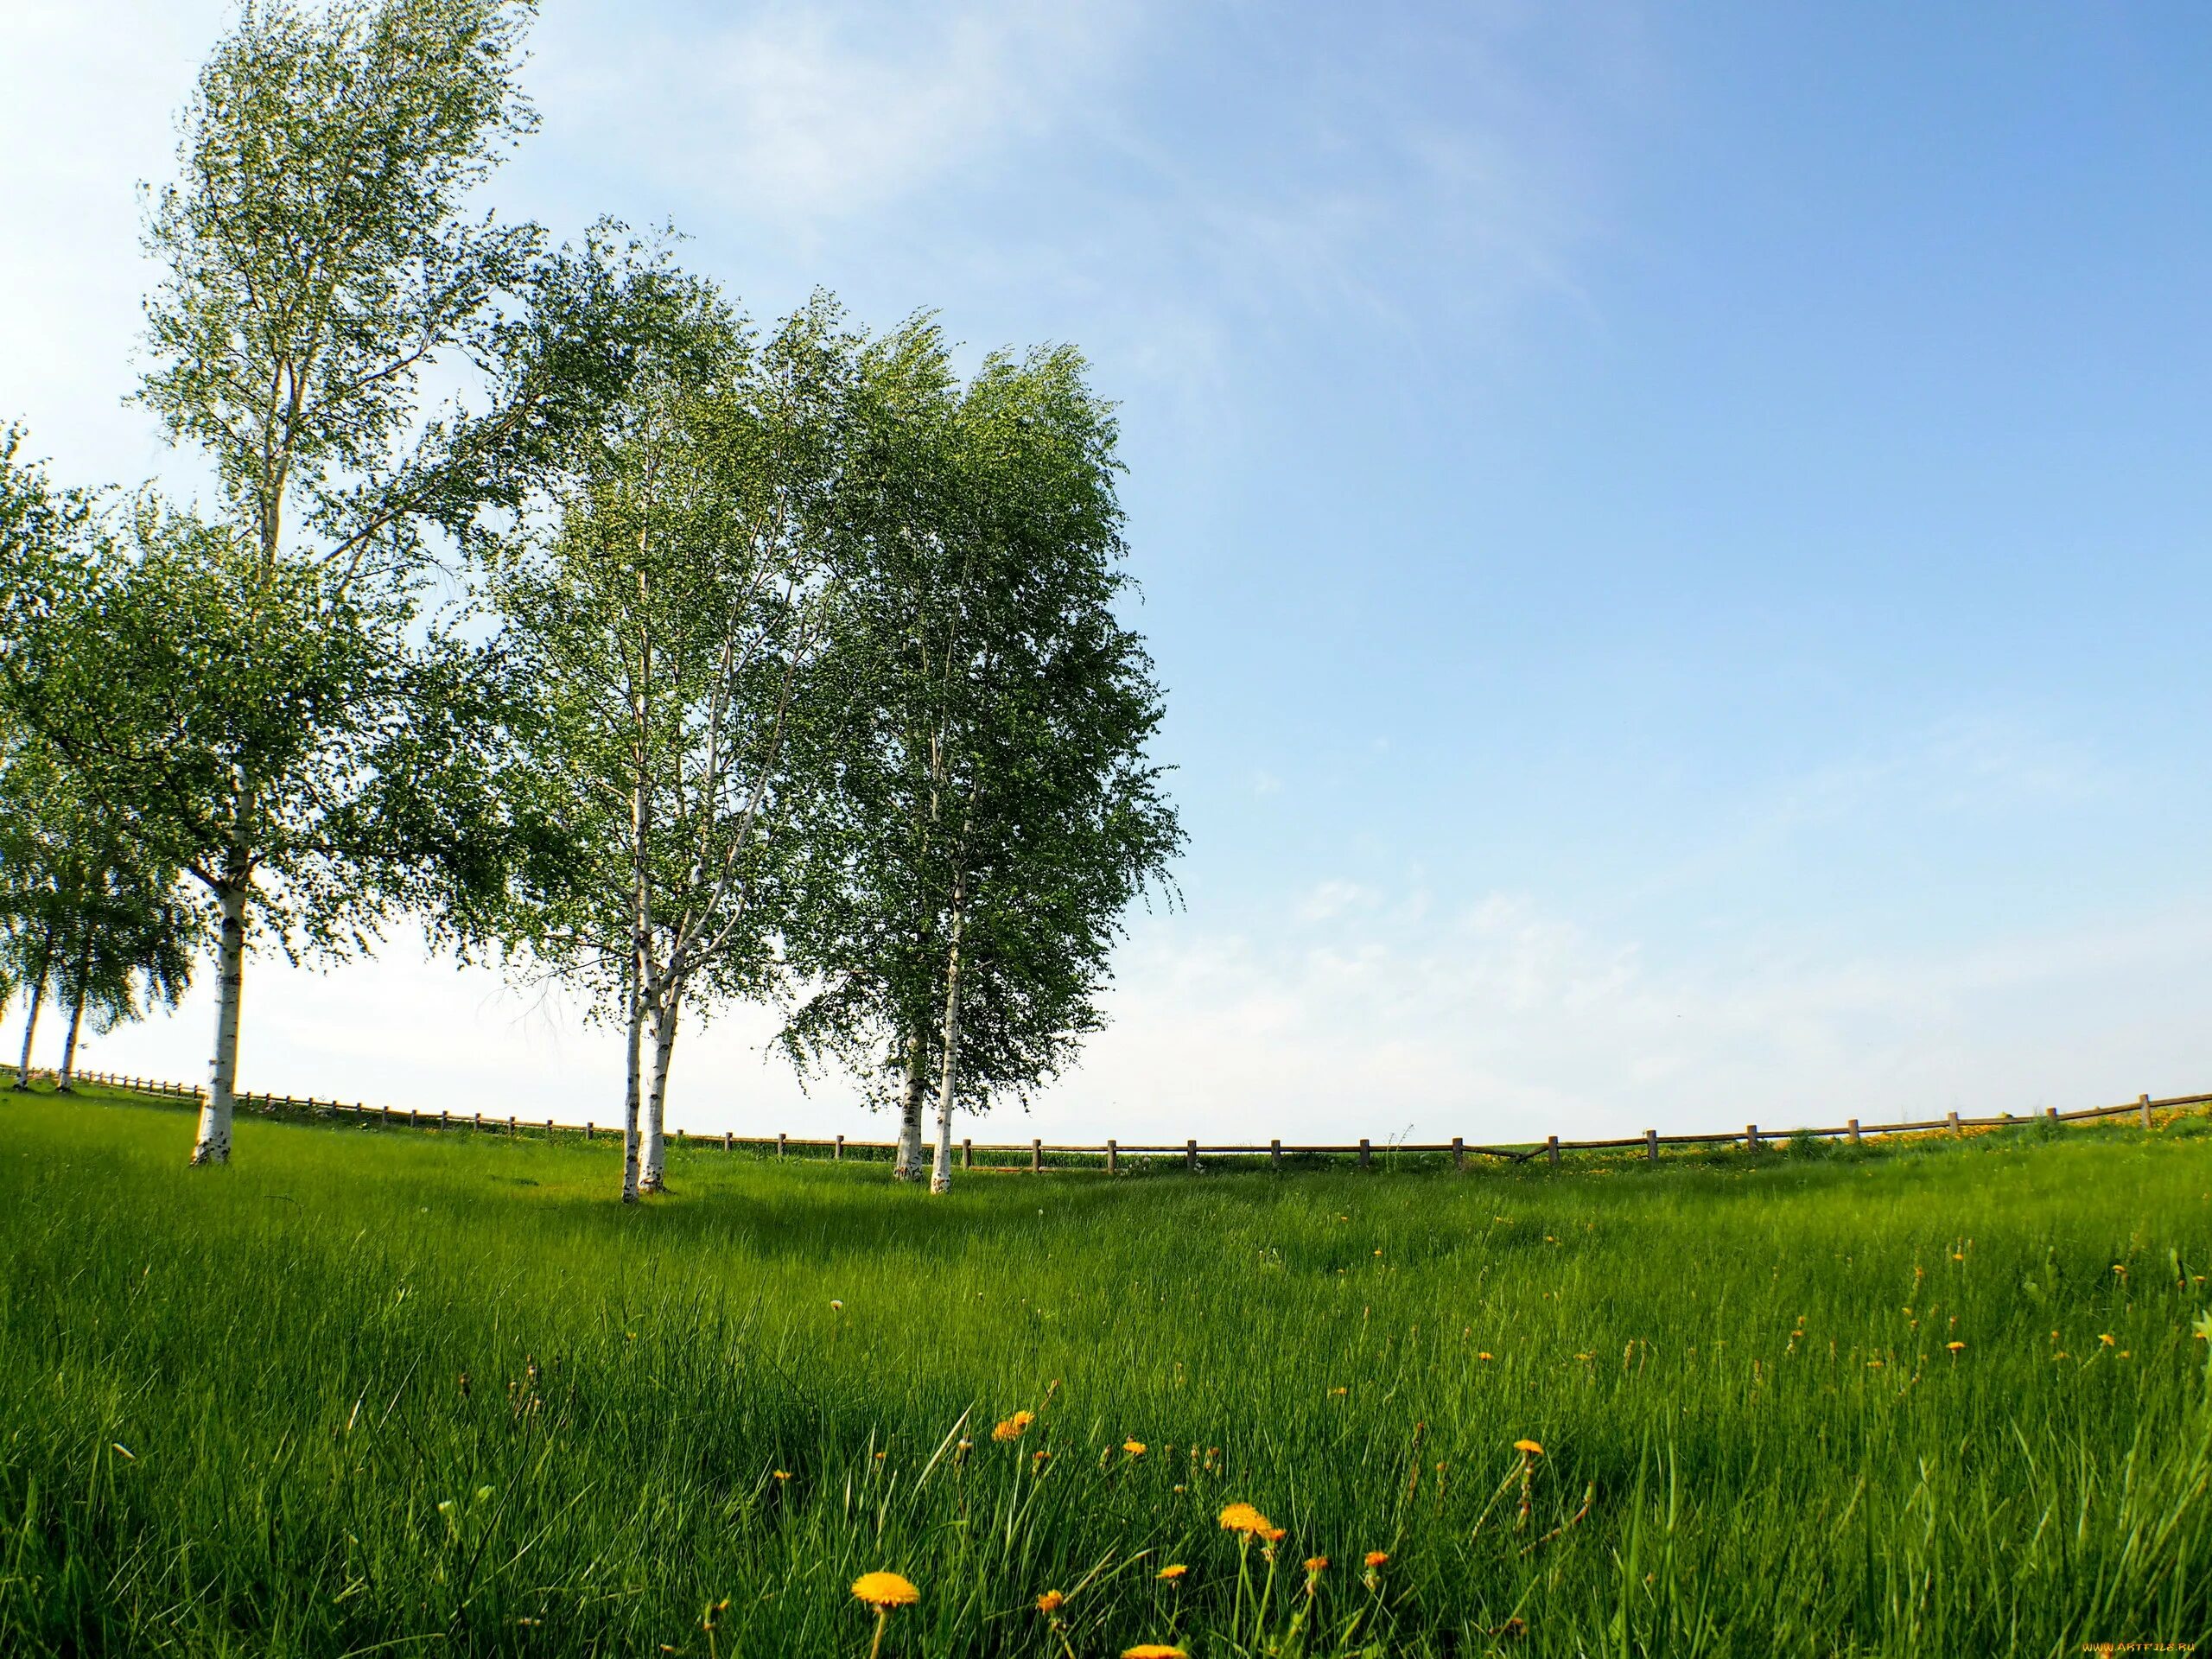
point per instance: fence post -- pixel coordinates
(1951, 1121)
(1366, 1153)
(1113, 1157)
(513, 1128)
(387, 1116)
(1854, 1131)
(2144, 1102)
(730, 1140)
(1551, 1149)
(838, 1152)
(549, 1128)
(1274, 1154)
(967, 1152)
(445, 1119)
(479, 1123)
(1036, 1154)
(588, 1128)
(779, 1143)
(1651, 1146)
(2051, 1113)
(1751, 1137)
(1190, 1155)
(1459, 1152)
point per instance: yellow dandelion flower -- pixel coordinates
(1316, 1565)
(1529, 1448)
(1276, 1534)
(2107, 1340)
(782, 1474)
(1336, 1391)
(1483, 1356)
(1015, 1426)
(1955, 1347)
(1242, 1517)
(885, 1590)
(1172, 1572)
(1134, 1448)
(1378, 1558)
(1041, 1456)
(1050, 1602)
(1154, 1650)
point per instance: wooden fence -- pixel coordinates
(1033, 1156)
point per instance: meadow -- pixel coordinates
(366, 1392)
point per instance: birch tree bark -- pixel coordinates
(913, 1090)
(66, 1083)
(948, 1061)
(211, 1145)
(37, 980)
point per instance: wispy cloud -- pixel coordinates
(811, 113)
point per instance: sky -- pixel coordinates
(1676, 537)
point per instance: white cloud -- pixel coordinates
(812, 112)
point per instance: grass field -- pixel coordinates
(382, 1393)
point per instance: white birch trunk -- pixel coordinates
(948, 1075)
(630, 1100)
(69, 1079)
(913, 1090)
(651, 1178)
(212, 1145)
(66, 1081)
(31, 1030)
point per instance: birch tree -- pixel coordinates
(82, 918)
(1000, 812)
(282, 716)
(673, 626)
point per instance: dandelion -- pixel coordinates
(1529, 1448)
(1955, 1347)
(782, 1474)
(1040, 1456)
(883, 1592)
(2107, 1340)
(1378, 1558)
(1316, 1565)
(1015, 1426)
(1333, 1392)
(1134, 1448)
(1483, 1356)
(1154, 1650)
(837, 1306)
(1050, 1602)
(1242, 1517)
(1171, 1572)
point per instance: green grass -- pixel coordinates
(232, 1418)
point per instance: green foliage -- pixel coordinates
(370, 1388)
(996, 805)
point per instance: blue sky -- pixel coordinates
(1676, 535)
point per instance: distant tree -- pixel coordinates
(82, 918)
(263, 687)
(670, 624)
(1000, 812)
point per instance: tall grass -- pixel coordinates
(366, 1393)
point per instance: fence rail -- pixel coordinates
(1110, 1152)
